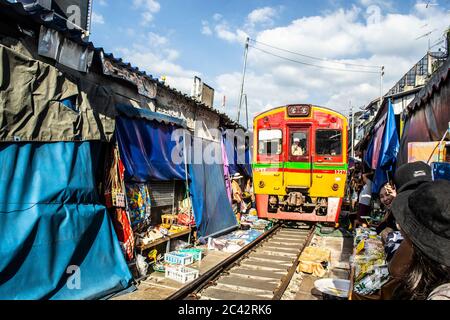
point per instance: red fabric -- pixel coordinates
(378, 137)
(124, 232)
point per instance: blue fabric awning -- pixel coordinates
(239, 160)
(56, 240)
(148, 151)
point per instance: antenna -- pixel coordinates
(224, 102)
(428, 34)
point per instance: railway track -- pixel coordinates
(260, 271)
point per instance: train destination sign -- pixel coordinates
(301, 110)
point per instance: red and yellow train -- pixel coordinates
(300, 163)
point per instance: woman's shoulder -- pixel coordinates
(440, 293)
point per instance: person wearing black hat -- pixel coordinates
(411, 175)
(423, 216)
(408, 177)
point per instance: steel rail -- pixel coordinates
(279, 292)
(189, 291)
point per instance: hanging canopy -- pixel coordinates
(56, 239)
(383, 150)
(212, 208)
(239, 157)
(148, 151)
(41, 104)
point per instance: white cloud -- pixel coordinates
(224, 32)
(156, 40)
(97, 18)
(152, 52)
(342, 35)
(262, 16)
(217, 17)
(206, 29)
(103, 3)
(381, 3)
(148, 8)
(256, 19)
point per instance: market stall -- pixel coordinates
(145, 146)
(57, 241)
(369, 271)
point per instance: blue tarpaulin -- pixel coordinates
(212, 209)
(388, 151)
(56, 240)
(239, 157)
(146, 149)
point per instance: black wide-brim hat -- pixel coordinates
(424, 215)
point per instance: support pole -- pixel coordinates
(243, 78)
(186, 168)
(381, 85)
(246, 109)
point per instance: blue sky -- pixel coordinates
(183, 38)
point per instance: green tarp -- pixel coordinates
(39, 103)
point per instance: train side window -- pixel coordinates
(329, 142)
(270, 142)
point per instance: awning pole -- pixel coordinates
(186, 170)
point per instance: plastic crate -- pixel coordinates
(196, 253)
(181, 274)
(179, 258)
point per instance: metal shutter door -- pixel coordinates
(162, 193)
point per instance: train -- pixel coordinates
(300, 163)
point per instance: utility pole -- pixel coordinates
(243, 78)
(246, 108)
(381, 85)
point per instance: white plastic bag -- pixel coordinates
(142, 265)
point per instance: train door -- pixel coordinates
(268, 174)
(298, 160)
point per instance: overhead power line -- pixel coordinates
(316, 58)
(314, 65)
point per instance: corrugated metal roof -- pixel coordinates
(46, 18)
(40, 16)
(133, 112)
(433, 85)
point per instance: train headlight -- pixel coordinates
(262, 184)
(335, 187)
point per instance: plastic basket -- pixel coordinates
(196, 253)
(179, 258)
(181, 274)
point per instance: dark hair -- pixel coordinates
(421, 278)
(369, 175)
